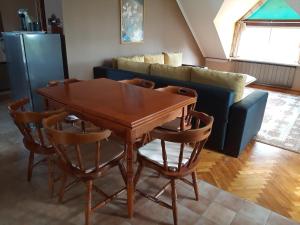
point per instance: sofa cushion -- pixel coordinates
(233, 81)
(114, 63)
(138, 67)
(136, 58)
(154, 58)
(178, 73)
(173, 59)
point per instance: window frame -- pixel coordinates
(257, 23)
(280, 23)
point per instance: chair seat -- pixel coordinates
(110, 150)
(174, 125)
(153, 152)
(37, 140)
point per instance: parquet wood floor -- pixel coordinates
(266, 175)
(278, 89)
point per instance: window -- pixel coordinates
(270, 43)
(269, 32)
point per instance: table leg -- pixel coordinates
(130, 176)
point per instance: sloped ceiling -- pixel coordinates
(295, 4)
(200, 16)
(212, 23)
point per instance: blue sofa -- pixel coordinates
(235, 124)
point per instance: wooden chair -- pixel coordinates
(145, 84)
(139, 82)
(72, 119)
(34, 139)
(183, 120)
(80, 156)
(175, 155)
(51, 105)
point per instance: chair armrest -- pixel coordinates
(245, 119)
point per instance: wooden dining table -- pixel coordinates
(130, 111)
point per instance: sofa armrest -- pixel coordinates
(244, 122)
(99, 72)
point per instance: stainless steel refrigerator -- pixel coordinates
(33, 59)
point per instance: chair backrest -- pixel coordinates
(30, 125)
(140, 83)
(186, 92)
(71, 145)
(194, 139)
(179, 90)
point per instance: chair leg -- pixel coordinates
(62, 188)
(83, 129)
(195, 185)
(138, 174)
(50, 175)
(123, 172)
(30, 166)
(174, 201)
(145, 139)
(88, 208)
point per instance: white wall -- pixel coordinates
(295, 4)
(200, 17)
(9, 11)
(212, 23)
(230, 12)
(92, 33)
(53, 7)
(219, 64)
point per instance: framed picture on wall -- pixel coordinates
(132, 21)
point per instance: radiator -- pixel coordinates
(267, 74)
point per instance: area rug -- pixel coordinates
(281, 122)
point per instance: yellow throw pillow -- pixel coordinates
(114, 63)
(233, 81)
(154, 58)
(178, 73)
(138, 67)
(136, 58)
(173, 59)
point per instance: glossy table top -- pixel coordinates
(126, 104)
